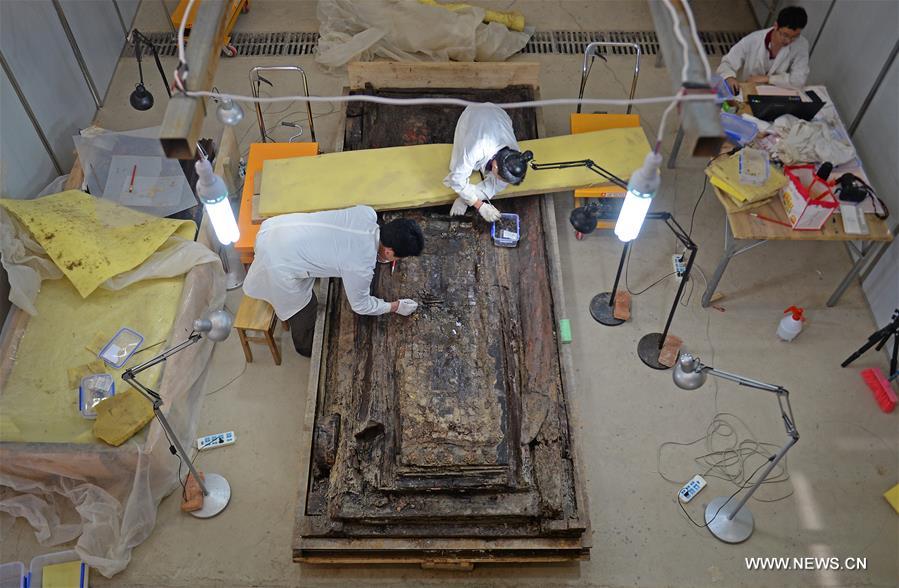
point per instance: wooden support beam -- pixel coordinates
(184, 115)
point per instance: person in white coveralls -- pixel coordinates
(484, 142)
(294, 249)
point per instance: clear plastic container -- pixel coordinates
(121, 347)
(93, 389)
(41, 561)
(12, 575)
(738, 129)
(506, 232)
(754, 166)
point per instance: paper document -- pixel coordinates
(766, 90)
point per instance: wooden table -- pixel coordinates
(743, 232)
(259, 153)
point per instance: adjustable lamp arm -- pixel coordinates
(139, 38)
(129, 376)
(588, 163)
(783, 395)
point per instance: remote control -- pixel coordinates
(691, 488)
(217, 440)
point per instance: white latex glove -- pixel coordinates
(489, 212)
(459, 207)
(406, 306)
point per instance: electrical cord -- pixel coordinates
(705, 184)
(729, 463)
(627, 264)
(231, 381)
(729, 498)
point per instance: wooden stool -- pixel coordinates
(256, 315)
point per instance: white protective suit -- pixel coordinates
(481, 131)
(749, 57)
(294, 249)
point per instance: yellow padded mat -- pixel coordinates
(36, 402)
(91, 239)
(411, 177)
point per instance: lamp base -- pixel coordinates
(602, 312)
(735, 530)
(219, 494)
(648, 350)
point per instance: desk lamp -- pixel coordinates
(727, 522)
(141, 98)
(216, 490)
(634, 211)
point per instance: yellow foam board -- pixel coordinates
(91, 239)
(65, 575)
(892, 496)
(38, 402)
(411, 177)
(121, 416)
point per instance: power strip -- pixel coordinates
(217, 440)
(678, 265)
(691, 488)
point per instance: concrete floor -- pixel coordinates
(846, 459)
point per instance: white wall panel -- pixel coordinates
(25, 166)
(41, 59)
(98, 33)
(128, 8)
(816, 10)
(761, 9)
(877, 141)
(854, 45)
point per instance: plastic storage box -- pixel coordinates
(38, 564)
(13, 575)
(738, 129)
(121, 347)
(93, 389)
(754, 166)
(506, 232)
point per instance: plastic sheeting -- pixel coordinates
(108, 496)
(27, 263)
(130, 168)
(406, 30)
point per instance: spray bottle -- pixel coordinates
(791, 324)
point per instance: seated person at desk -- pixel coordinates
(484, 142)
(294, 249)
(777, 56)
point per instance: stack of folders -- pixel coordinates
(724, 174)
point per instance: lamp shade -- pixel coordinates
(213, 193)
(216, 325)
(140, 98)
(640, 190)
(229, 112)
(688, 373)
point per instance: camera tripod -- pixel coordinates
(880, 338)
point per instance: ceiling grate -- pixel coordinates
(542, 43)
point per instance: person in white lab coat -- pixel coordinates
(484, 142)
(294, 249)
(777, 56)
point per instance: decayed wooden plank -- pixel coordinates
(566, 363)
(390, 74)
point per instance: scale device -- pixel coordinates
(769, 108)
